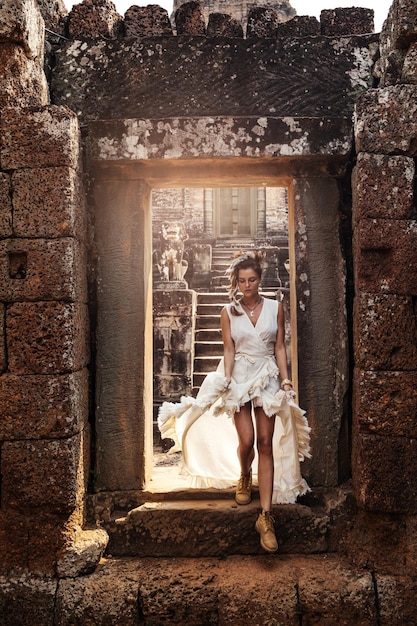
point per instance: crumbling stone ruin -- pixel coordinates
(97, 110)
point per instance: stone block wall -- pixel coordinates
(43, 309)
(385, 258)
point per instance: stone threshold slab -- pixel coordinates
(219, 527)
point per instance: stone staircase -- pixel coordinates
(222, 255)
(208, 346)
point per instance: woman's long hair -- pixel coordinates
(242, 261)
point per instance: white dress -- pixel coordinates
(203, 427)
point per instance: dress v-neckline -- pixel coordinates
(259, 316)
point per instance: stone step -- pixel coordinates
(218, 282)
(208, 348)
(210, 309)
(211, 298)
(221, 264)
(205, 364)
(238, 590)
(219, 527)
(207, 321)
(208, 334)
(198, 381)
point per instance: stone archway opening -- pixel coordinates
(127, 165)
(203, 228)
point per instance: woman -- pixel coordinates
(246, 382)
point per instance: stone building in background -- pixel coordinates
(94, 117)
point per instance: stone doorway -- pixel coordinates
(235, 212)
(186, 326)
(124, 371)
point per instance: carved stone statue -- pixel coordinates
(171, 263)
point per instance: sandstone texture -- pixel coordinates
(42, 269)
(383, 187)
(218, 137)
(22, 23)
(168, 529)
(21, 79)
(352, 21)
(320, 78)
(173, 337)
(54, 406)
(5, 206)
(48, 202)
(94, 18)
(188, 591)
(203, 106)
(149, 21)
(55, 338)
(44, 136)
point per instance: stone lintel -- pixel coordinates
(203, 172)
(219, 137)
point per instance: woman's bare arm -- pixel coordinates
(228, 345)
(280, 351)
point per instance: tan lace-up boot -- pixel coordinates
(265, 527)
(244, 489)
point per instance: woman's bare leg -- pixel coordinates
(264, 431)
(246, 436)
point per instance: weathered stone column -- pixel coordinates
(321, 321)
(124, 334)
(174, 326)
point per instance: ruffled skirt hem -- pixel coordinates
(202, 429)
